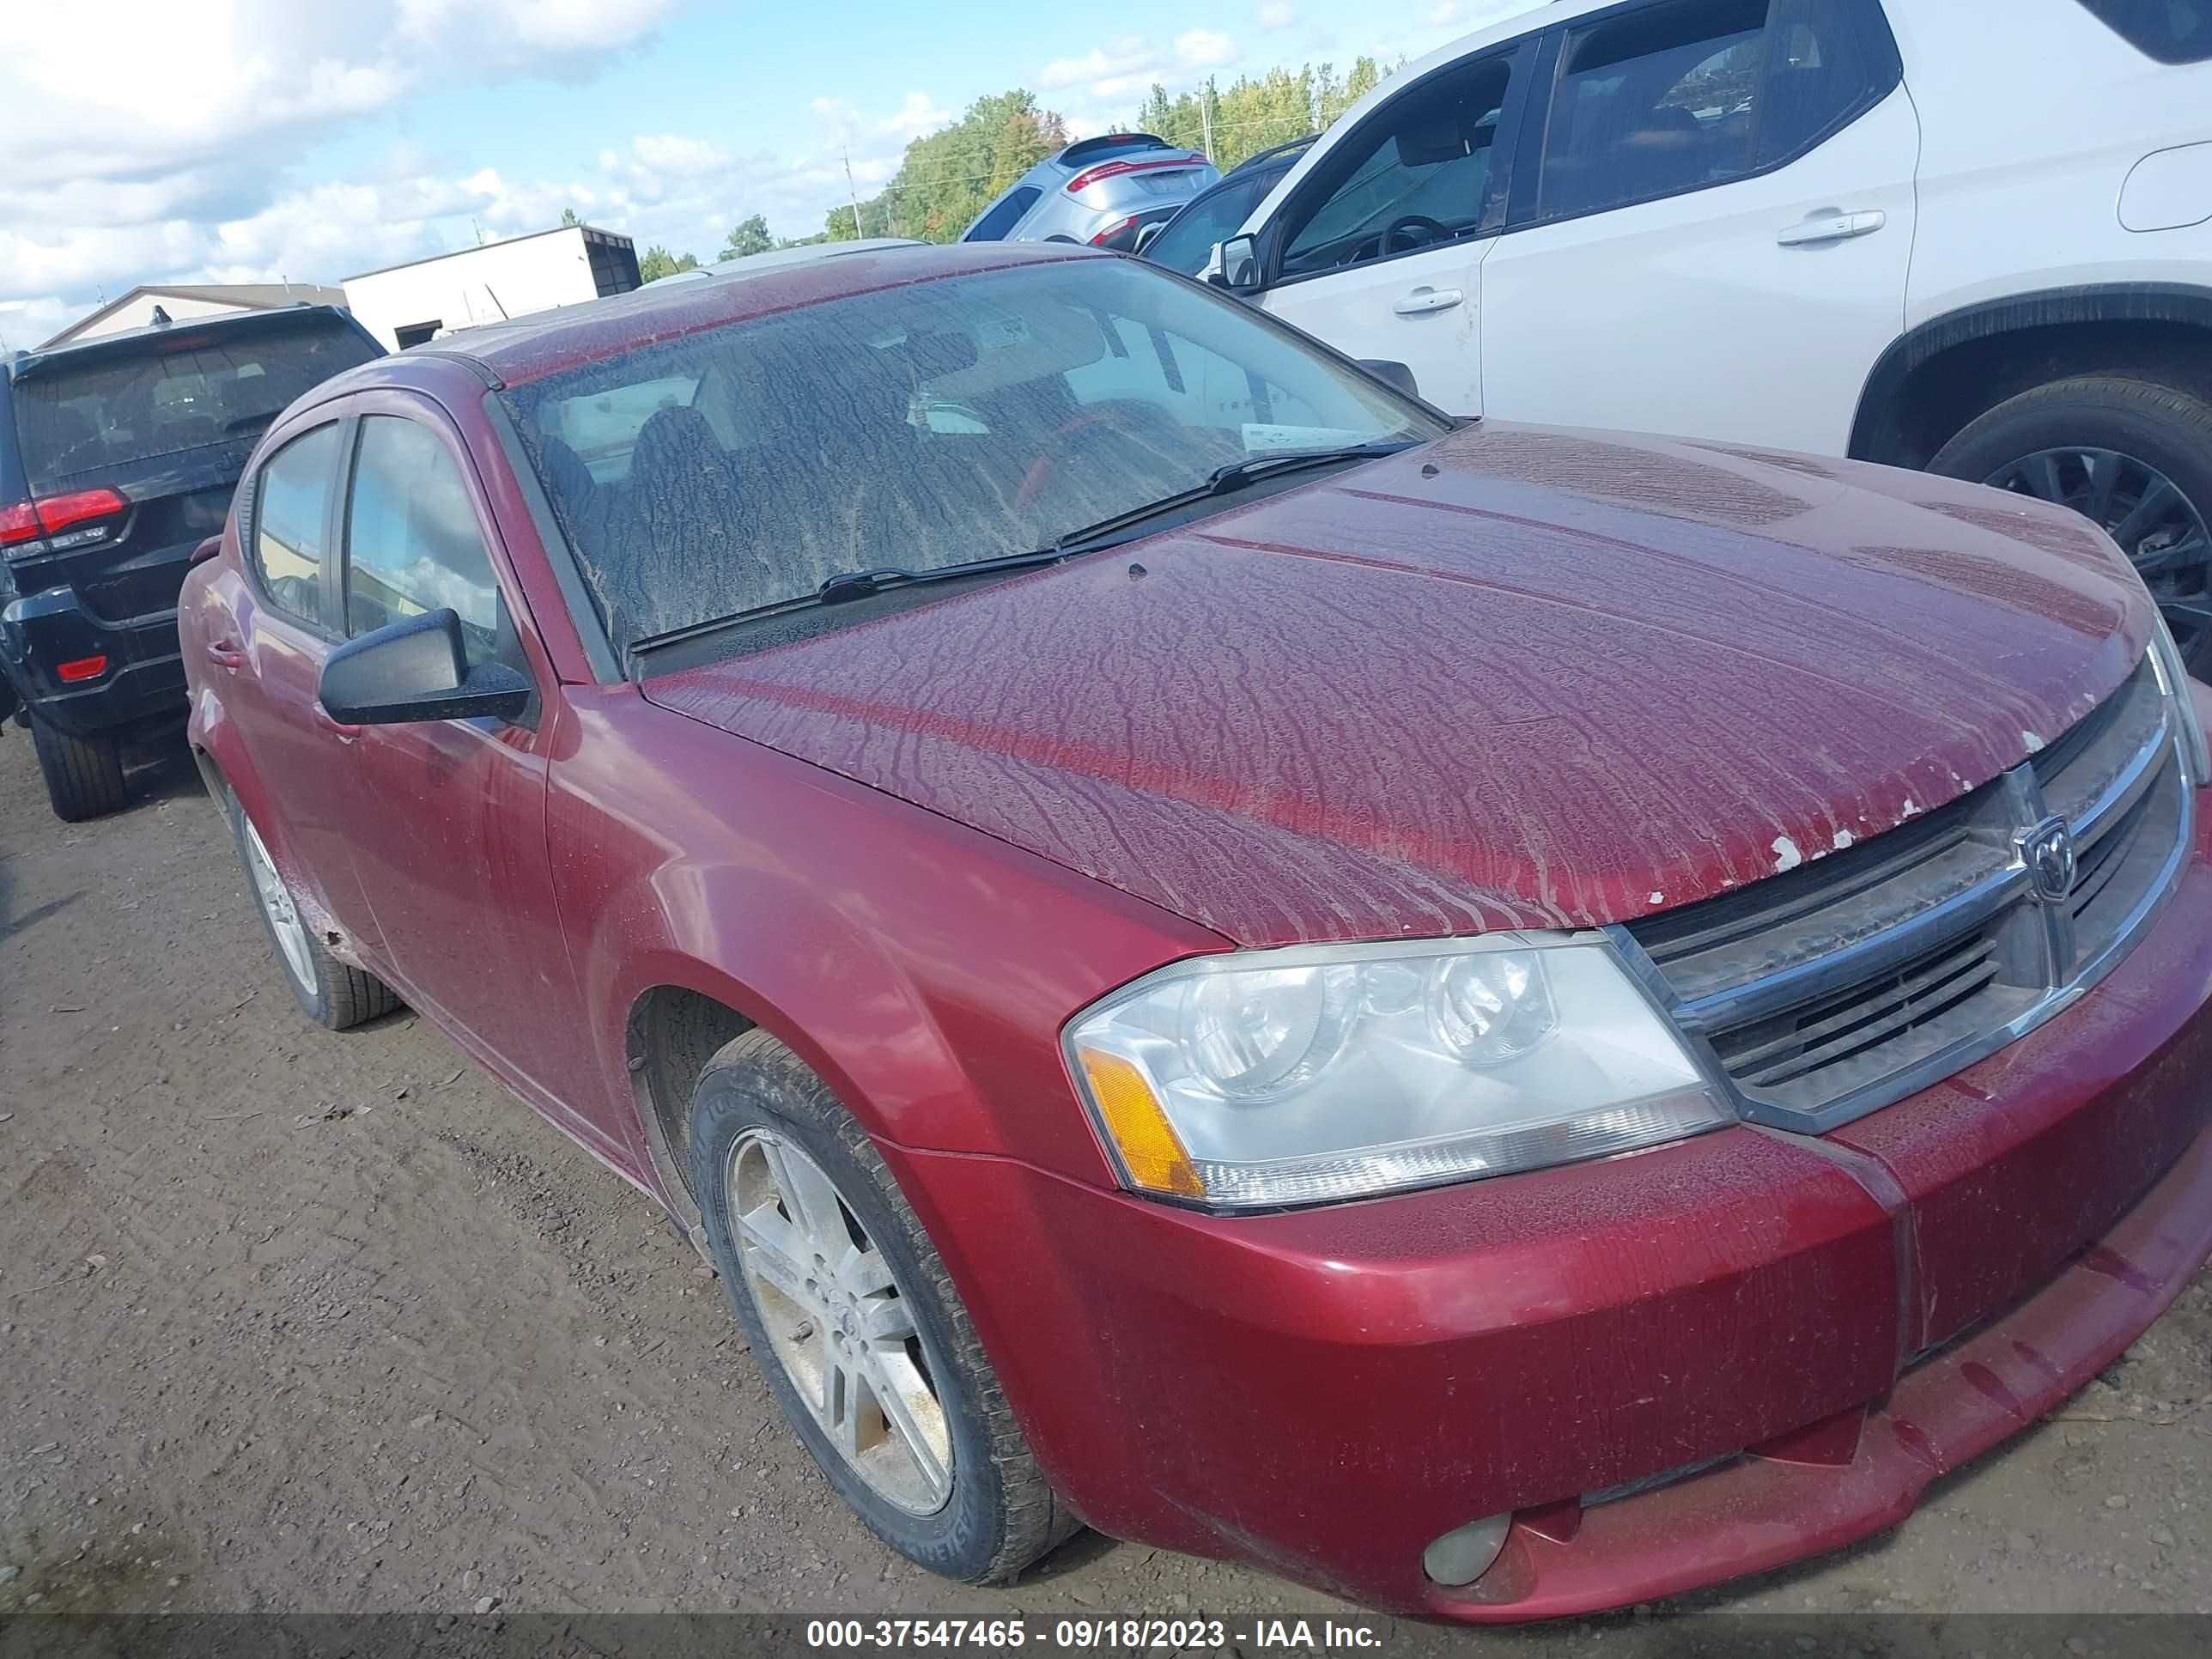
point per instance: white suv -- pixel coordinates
(1973, 236)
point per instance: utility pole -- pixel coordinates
(852, 191)
(1205, 115)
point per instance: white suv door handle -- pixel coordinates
(1831, 227)
(1425, 298)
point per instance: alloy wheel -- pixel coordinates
(839, 1322)
(2159, 529)
(276, 901)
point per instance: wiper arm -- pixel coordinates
(860, 584)
(838, 589)
(1237, 474)
(1225, 480)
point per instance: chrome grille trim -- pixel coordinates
(1886, 1014)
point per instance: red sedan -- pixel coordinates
(1501, 1021)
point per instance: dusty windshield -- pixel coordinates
(922, 427)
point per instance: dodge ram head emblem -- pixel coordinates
(2047, 850)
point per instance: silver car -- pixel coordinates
(1101, 191)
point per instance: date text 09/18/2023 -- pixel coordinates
(1116, 1632)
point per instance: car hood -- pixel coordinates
(1516, 678)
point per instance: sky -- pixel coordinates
(143, 141)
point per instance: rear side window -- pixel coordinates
(2172, 31)
(413, 544)
(1682, 96)
(291, 505)
(1003, 215)
(187, 389)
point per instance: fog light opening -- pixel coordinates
(1463, 1555)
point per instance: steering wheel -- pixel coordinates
(1433, 231)
(1047, 465)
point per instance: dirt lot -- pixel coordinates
(291, 1320)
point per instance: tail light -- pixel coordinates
(84, 668)
(1105, 237)
(1089, 176)
(65, 522)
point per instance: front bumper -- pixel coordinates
(1324, 1392)
(143, 683)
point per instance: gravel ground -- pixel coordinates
(294, 1322)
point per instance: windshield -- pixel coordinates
(184, 392)
(921, 426)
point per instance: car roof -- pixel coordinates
(548, 341)
(1535, 16)
(1275, 155)
(1089, 152)
(124, 342)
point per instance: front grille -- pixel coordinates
(1850, 981)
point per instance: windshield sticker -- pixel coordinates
(1265, 438)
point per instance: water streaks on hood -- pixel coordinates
(1565, 675)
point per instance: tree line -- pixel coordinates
(948, 177)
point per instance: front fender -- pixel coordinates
(923, 970)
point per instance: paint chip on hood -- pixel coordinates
(1843, 838)
(1786, 856)
(2033, 741)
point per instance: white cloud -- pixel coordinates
(1276, 14)
(1109, 70)
(918, 115)
(1204, 48)
(669, 152)
(157, 152)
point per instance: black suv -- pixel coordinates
(118, 457)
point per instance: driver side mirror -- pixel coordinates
(1236, 267)
(418, 669)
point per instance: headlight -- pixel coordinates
(1332, 1071)
(2173, 680)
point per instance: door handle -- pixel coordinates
(1831, 226)
(1424, 300)
(338, 729)
(225, 653)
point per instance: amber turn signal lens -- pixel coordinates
(1151, 1150)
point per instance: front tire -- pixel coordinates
(855, 1324)
(334, 994)
(2135, 458)
(84, 775)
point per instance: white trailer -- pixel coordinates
(407, 304)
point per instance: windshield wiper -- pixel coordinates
(1224, 480)
(860, 584)
(840, 588)
(846, 586)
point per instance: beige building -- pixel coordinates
(182, 303)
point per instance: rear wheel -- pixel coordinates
(2135, 459)
(855, 1324)
(334, 994)
(84, 775)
